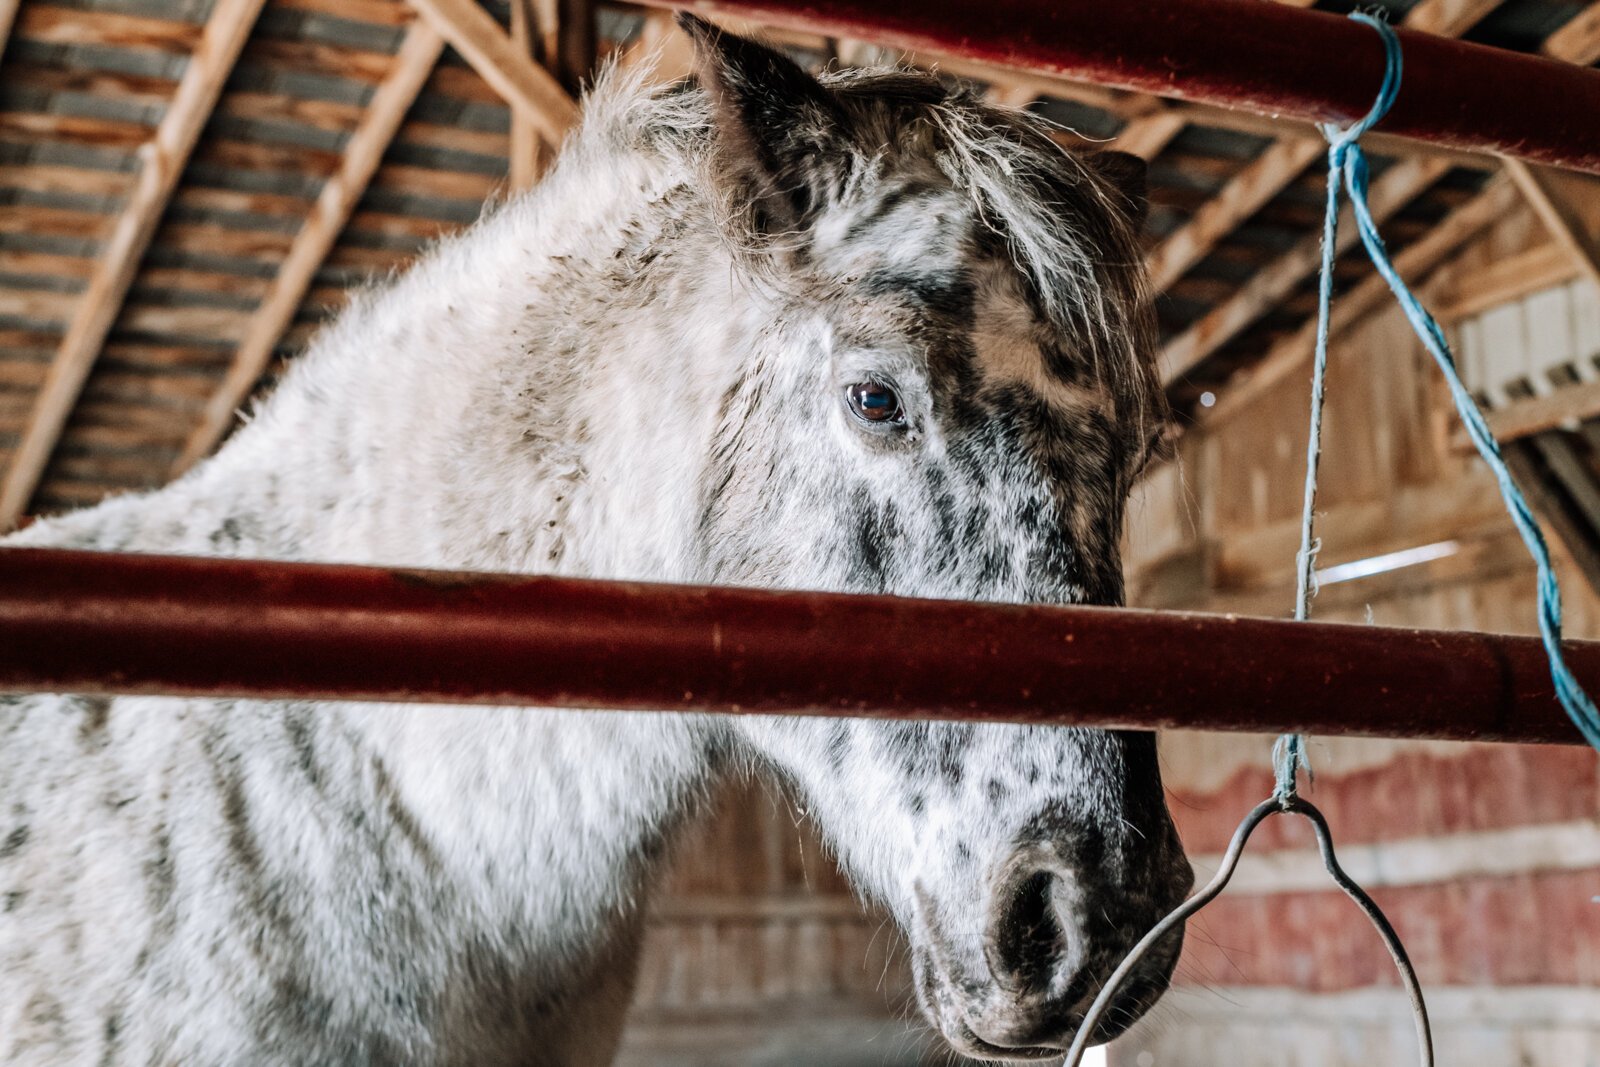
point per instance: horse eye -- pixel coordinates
(874, 402)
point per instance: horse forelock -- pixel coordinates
(934, 188)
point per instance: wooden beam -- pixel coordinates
(527, 153)
(1579, 40)
(1147, 135)
(1574, 532)
(1256, 185)
(161, 162)
(340, 194)
(1449, 18)
(1414, 262)
(8, 18)
(473, 32)
(1558, 199)
(1554, 410)
(1398, 186)
(661, 43)
(1011, 94)
(1512, 278)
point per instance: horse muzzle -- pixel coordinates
(1050, 939)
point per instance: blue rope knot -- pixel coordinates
(1347, 165)
(1341, 139)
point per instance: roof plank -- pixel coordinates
(64, 25)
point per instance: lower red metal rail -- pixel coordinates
(87, 622)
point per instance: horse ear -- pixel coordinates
(1127, 174)
(780, 133)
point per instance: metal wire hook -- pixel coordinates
(1230, 861)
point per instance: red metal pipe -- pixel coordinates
(100, 623)
(1271, 59)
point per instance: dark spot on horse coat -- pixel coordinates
(301, 726)
(96, 716)
(838, 748)
(110, 1032)
(997, 791)
(948, 295)
(13, 900)
(401, 816)
(14, 841)
(227, 535)
(161, 877)
(953, 739)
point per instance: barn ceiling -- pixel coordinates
(188, 188)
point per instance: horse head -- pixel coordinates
(950, 396)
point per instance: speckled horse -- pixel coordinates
(865, 333)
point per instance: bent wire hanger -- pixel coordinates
(1275, 805)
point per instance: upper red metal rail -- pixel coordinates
(101, 623)
(1272, 59)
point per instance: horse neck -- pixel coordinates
(522, 400)
(537, 396)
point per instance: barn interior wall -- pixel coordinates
(1484, 856)
(759, 955)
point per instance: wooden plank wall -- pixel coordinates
(1486, 857)
(758, 954)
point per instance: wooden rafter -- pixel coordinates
(527, 151)
(161, 163)
(473, 32)
(1281, 163)
(1147, 135)
(1511, 278)
(660, 43)
(1272, 284)
(1414, 261)
(1536, 414)
(1011, 95)
(1579, 40)
(1557, 197)
(8, 18)
(340, 193)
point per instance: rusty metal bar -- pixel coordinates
(1271, 59)
(89, 622)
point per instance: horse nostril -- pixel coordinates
(1025, 939)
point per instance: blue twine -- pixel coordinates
(1347, 164)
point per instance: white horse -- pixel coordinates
(864, 334)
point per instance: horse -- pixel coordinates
(860, 332)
